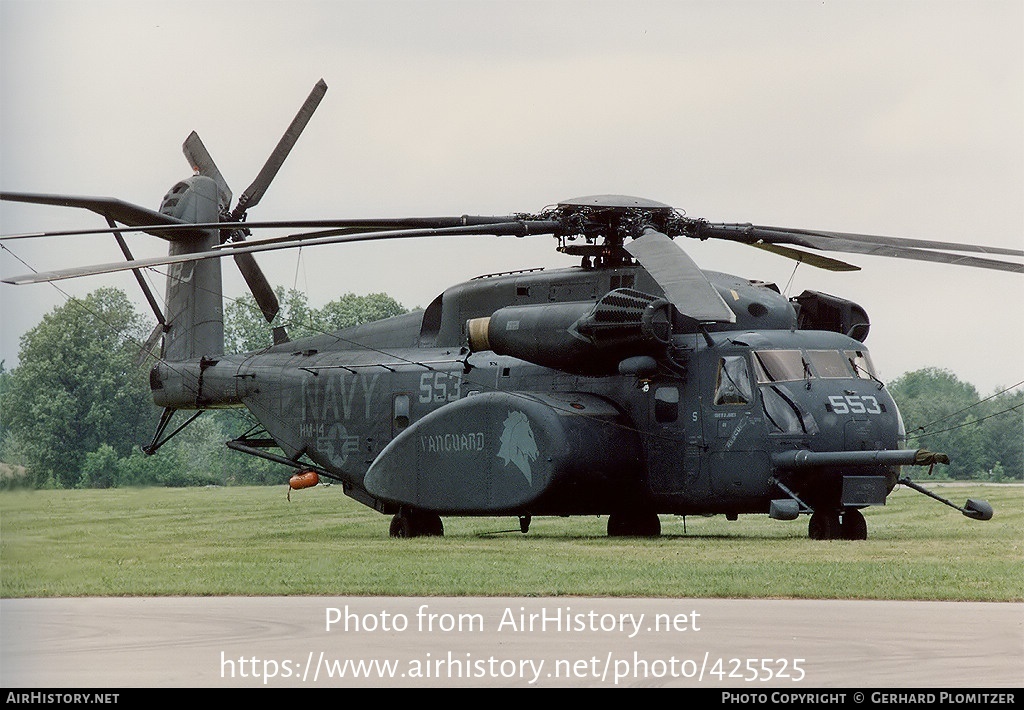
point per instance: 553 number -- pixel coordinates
(854, 404)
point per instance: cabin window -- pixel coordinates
(401, 412)
(666, 404)
(830, 363)
(733, 384)
(780, 366)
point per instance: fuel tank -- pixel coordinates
(512, 453)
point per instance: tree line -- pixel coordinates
(984, 437)
(76, 409)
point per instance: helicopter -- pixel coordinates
(632, 385)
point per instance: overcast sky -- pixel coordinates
(894, 118)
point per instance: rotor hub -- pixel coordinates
(607, 221)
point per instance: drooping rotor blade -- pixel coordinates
(255, 191)
(874, 245)
(899, 252)
(513, 228)
(902, 241)
(201, 161)
(381, 225)
(686, 287)
(109, 207)
(806, 257)
(350, 224)
(258, 284)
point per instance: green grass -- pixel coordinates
(253, 541)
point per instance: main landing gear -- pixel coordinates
(634, 524)
(416, 523)
(848, 524)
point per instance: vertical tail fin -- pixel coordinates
(195, 309)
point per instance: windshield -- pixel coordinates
(830, 363)
(794, 365)
(780, 366)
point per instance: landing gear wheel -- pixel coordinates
(400, 526)
(634, 524)
(853, 527)
(416, 523)
(432, 525)
(824, 525)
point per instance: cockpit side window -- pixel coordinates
(861, 363)
(733, 385)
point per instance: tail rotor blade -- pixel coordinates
(255, 191)
(201, 161)
(258, 284)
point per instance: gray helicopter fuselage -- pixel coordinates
(404, 414)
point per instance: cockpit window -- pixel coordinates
(861, 363)
(733, 386)
(830, 363)
(780, 366)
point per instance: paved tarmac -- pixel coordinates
(754, 645)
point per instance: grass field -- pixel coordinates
(253, 541)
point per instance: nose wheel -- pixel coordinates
(849, 524)
(853, 526)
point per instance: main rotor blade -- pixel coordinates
(874, 245)
(254, 193)
(806, 257)
(686, 287)
(753, 232)
(109, 207)
(516, 229)
(383, 223)
(898, 252)
(201, 161)
(903, 242)
(364, 226)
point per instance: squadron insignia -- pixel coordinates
(518, 444)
